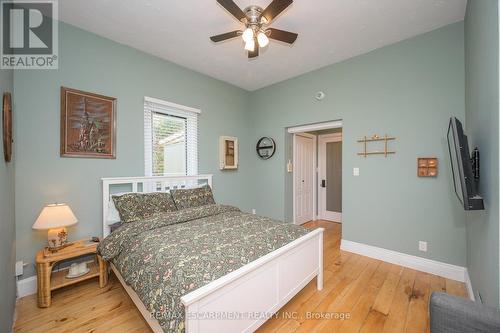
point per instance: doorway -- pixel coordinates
(316, 172)
(330, 177)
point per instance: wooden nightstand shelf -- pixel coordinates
(48, 281)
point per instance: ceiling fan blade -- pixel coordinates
(275, 8)
(226, 36)
(233, 8)
(282, 35)
(255, 52)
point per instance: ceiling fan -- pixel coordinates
(256, 20)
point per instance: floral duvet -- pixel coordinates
(171, 254)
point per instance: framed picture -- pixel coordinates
(228, 152)
(88, 124)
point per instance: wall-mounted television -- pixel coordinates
(464, 179)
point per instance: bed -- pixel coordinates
(217, 270)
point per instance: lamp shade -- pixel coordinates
(55, 216)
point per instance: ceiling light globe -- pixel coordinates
(263, 40)
(250, 45)
(247, 35)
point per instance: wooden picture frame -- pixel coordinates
(228, 152)
(427, 167)
(88, 124)
(7, 126)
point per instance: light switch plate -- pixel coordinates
(19, 268)
(355, 172)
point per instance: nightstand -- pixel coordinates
(48, 280)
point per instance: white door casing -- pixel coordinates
(323, 213)
(304, 146)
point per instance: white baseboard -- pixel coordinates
(445, 270)
(332, 216)
(26, 287)
(468, 285)
(14, 319)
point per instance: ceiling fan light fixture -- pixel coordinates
(250, 45)
(262, 39)
(247, 35)
(256, 33)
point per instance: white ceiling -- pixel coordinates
(329, 31)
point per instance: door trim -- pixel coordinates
(315, 127)
(315, 169)
(322, 212)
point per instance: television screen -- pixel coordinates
(457, 178)
(461, 167)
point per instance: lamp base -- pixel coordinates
(57, 238)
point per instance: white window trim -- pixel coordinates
(175, 106)
(175, 110)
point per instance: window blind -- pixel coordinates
(170, 138)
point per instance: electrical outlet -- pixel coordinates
(355, 172)
(422, 246)
(254, 211)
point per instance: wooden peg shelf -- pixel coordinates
(376, 153)
(386, 138)
(376, 138)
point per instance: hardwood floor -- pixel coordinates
(360, 295)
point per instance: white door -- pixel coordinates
(330, 177)
(303, 174)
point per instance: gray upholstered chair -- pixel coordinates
(449, 314)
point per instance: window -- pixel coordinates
(170, 138)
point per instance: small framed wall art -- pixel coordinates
(88, 124)
(427, 167)
(228, 153)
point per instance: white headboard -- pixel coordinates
(146, 185)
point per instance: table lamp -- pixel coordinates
(55, 218)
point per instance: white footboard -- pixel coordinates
(244, 299)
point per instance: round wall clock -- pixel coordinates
(266, 147)
(7, 127)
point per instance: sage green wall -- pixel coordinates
(7, 226)
(481, 63)
(408, 90)
(91, 63)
